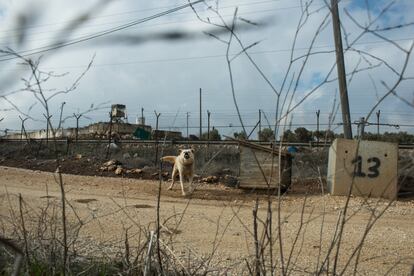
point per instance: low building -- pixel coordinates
(166, 134)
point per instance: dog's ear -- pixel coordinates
(180, 150)
(192, 149)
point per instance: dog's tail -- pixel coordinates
(169, 159)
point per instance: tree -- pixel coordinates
(303, 135)
(401, 137)
(329, 135)
(240, 135)
(289, 136)
(317, 135)
(214, 135)
(266, 135)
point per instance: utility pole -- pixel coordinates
(208, 125)
(340, 64)
(2, 120)
(61, 112)
(317, 125)
(260, 124)
(201, 128)
(109, 135)
(378, 121)
(22, 130)
(187, 125)
(47, 127)
(156, 137)
(208, 134)
(77, 126)
(361, 127)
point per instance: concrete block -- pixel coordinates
(251, 175)
(370, 167)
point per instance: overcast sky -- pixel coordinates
(162, 63)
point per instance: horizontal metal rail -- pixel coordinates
(184, 142)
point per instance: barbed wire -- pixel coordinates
(164, 127)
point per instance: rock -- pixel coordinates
(78, 156)
(230, 181)
(119, 171)
(135, 155)
(163, 174)
(210, 179)
(112, 162)
(126, 155)
(111, 168)
(406, 184)
(113, 146)
(137, 171)
(226, 171)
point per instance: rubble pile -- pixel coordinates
(116, 166)
(210, 179)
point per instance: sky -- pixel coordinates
(161, 62)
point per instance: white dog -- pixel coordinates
(183, 165)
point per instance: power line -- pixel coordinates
(208, 56)
(165, 23)
(247, 3)
(247, 126)
(99, 34)
(95, 35)
(230, 113)
(131, 12)
(283, 125)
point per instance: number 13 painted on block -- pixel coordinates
(373, 170)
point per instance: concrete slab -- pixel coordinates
(370, 167)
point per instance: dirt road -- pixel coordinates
(108, 206)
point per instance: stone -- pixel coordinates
(210, 179)
(230, 181)
(226, 171)
(113, 146)
(126, 155)
(119, 171)
(111, 168)
(111, 162)
(137, 171)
